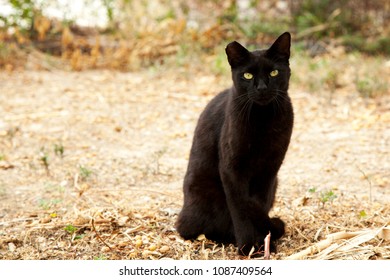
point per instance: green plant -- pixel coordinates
(22, 16)
(312, 190)
(70, 229)
(327, 196)
(100, 258)
(371, 87)
(44, 158)
(84, 172)
(318, 19)
(59, 150)
(47, 204)
(331, 79)
(373, 46)
(324, 196)
(362, 214)
(80, 236)
(252, 30)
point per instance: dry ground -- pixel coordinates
(92, 166)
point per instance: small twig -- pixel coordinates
(301, 234)
(368, 180)
(349, 240)
(21, 220)
(131, 230)
(98, 235)
(318, 233)
(267, 243)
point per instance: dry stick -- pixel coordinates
(267, 242)
(357, 238)
(385, 233)
(97, 234)
(21, 220)
(322, 245)
(318, 233)
(301, 234)
(315, 248)
(361, 238)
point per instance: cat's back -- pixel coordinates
(213, 115)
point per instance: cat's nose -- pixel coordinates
(261, 85)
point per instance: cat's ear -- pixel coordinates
(237, 54)
(281, 47)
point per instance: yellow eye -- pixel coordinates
(274, 73)
(248, 76)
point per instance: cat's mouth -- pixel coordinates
(262, 99)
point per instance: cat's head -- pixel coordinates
(261, 75)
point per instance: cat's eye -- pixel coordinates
(274, 73)
(248, 76)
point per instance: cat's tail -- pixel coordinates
(277, 228)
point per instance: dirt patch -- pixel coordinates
(92, 165)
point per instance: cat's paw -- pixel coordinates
(252, 245)
(256, 250)
(250, 249)
(186, 229)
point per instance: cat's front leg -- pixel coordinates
(250, 221)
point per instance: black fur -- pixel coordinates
(239, 144)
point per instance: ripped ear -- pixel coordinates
(281, 47)
(237, 54)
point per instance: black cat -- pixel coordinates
(239, 145)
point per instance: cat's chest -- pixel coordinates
(252, 140)
(263, 135)
(253, 143)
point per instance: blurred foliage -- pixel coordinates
(23, 15)
(360, 25)
(153, 32)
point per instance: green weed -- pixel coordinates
(70, 229)
(44, 158)
(362, 214)
(100, 258)
(84, 172)
(59, 150)
(371, 87)
(80, 236)
(324, 196)
(312, 190)
(47, 204)
(327, 196)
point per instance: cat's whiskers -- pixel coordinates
(279, 99)
(242, 105)
(284, 94)
(276, 104)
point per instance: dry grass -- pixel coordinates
(91, 167)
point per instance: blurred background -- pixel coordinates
(132, 34)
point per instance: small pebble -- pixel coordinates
(138, 243)
(152, 247)
(164, 249)
(11, 247)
